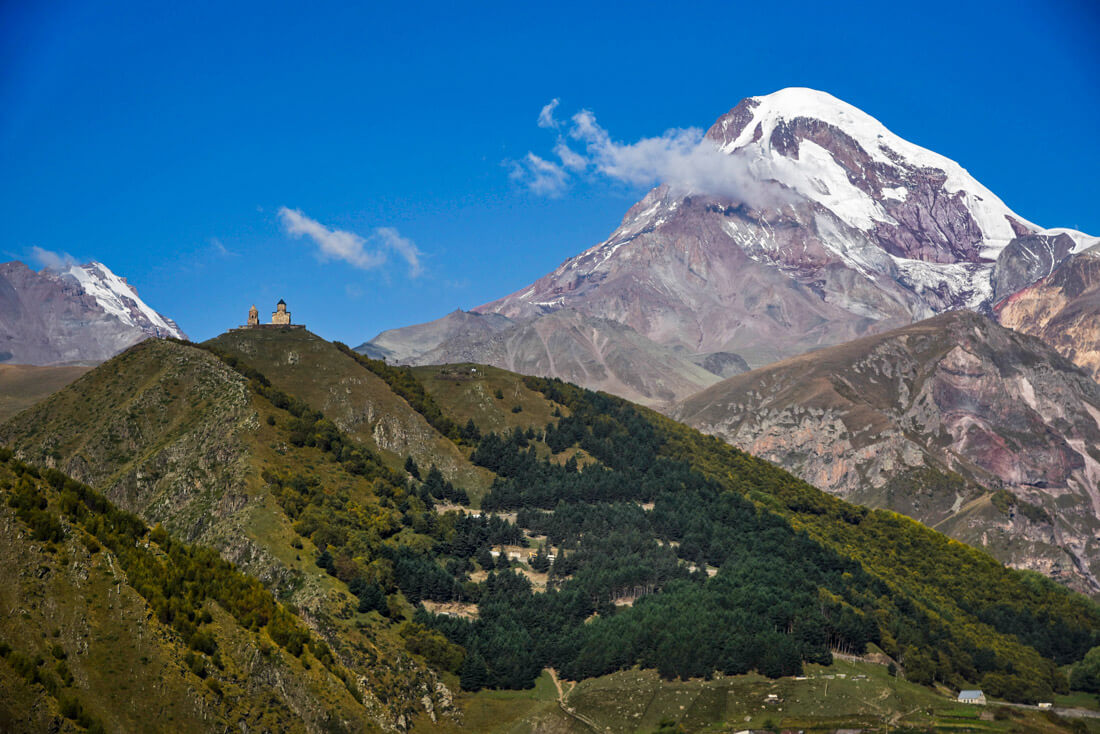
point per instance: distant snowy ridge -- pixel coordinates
(120, 299)
(75, 314)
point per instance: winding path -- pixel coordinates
(565, 708)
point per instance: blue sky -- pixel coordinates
(165, 142)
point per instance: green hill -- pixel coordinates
(120, 627)
(310, 469)
(356, 399)
(173, 434)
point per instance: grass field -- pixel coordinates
(1078, 700)
(846, 695)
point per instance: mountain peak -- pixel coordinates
(72, 314)
(120, 299)
(793, 102)
(865, 232)
(846, 160)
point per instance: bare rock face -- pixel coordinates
(984, 433)
(576, 347)
(408, 344)
(84, 315)
(723, 364)
(1027, 259)
(1063, 309)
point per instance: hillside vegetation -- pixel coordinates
(560, 528)
(818, 572)
(121, 626)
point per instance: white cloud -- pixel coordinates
(683, 159)
(403, 246)
(52, 260)
(221, 249)
(540, 175)
(546, 116)
(571, 159)
(333, 243)
(366, 253)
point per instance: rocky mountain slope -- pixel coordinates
(851, 230)
(405, 345)
(569, 344)
(83, 315)
(1062, 308)
(984, 433)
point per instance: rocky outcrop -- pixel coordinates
(1062, 309)
(83, 315)
(934, 420)
(1027, 259)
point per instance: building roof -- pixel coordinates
(281, 301)
(971, 694)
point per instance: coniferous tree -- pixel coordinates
(541, 560)
(470, 431)
(473, 675)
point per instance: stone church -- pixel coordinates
(281, 315)
(279, 318)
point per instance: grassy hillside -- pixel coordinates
(847, 695)
(945, 611)
(177, 436)
(672, 551)
(122, 629)
(356, 399)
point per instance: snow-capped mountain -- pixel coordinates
(120, 299)
(845, 229)
(84, 314)
(859, 230)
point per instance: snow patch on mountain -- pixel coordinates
(883, 146)
(818, 176)
(970, 282)
(120, 299)
(1081, 240)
